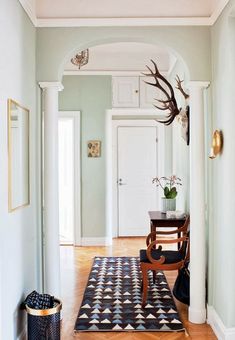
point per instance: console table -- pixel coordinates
(159, 220)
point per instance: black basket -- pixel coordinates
(44, 324)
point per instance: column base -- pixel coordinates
(197, 316)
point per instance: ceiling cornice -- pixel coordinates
(30, 10)
(107, 22)
(120, 22)
(218, 10)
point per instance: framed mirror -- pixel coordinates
(18, 156)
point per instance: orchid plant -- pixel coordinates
(168, 185)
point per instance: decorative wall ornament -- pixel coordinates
(81, 58)
(94, 148)
(169, 102)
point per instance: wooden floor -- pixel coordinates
(75, 267)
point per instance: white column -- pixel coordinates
(51, 200)
(197, 309)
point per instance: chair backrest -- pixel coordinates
(184, 229)
(185, 247)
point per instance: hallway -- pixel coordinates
(75, 267)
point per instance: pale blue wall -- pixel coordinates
(222, 229)
(92, 96)
(55, 46)
(19, 253)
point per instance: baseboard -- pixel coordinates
(218, 326)
(96, 241)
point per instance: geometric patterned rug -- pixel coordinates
(112, 300)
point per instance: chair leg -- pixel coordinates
(145, 286)
(154, 275)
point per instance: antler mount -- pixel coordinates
(169, 103)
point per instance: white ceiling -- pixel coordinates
(123, 57)
(124, 8)
(77, 13)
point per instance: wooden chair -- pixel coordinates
(157, 259)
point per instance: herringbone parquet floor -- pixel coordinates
(75, 267)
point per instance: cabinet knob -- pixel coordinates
(136, 91)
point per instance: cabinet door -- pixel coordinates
(148, 93)
(125, 91)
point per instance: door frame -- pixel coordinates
(111, 163)
(75, 115)
(160, 153)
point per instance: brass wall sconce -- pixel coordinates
(217, 144)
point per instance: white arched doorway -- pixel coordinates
(197, 311)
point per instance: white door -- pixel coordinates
(137, 165)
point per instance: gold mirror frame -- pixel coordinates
(18, 156)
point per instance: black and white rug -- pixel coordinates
(112, 300)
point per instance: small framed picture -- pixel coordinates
(94, 148)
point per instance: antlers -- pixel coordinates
(170, 102)
(179, 87)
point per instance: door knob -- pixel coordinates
(120, 182)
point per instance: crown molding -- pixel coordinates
(107, 22)
(30, 10)
(118, 22)
(51, 84)
(218, 10)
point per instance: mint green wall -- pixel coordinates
(19, 232)
(92, 96)
(55, 46)
(222, 230)
(180, 149)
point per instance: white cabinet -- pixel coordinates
(148, 93)
(133, 92)
(125, 91)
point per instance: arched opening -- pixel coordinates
(111, 62)
(197, 107)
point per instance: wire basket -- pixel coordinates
(44, 324)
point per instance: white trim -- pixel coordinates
(196, 83)
(96, 241)
(51, 84)
(218, 10)
(77, 173)
(160, 155)
(110, 115)
(98, 22)
(30, 10)
(107, 22)
(115, 73)
(218, 326)
(122, 112)
(172, 66)
(105, 72)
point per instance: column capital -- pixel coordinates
(198, 84)
(51, 84)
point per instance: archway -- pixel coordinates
(197, 308)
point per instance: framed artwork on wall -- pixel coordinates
(18, 156)
(94, 148)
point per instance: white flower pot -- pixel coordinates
(168, 204)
